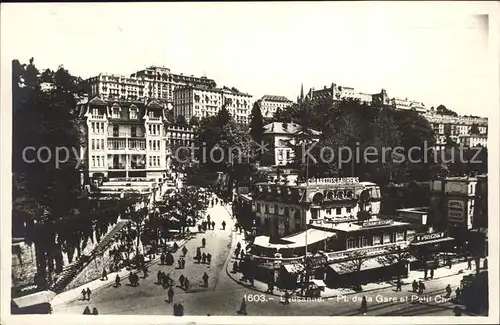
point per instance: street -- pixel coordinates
(223, 295)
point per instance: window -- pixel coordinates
(133, 130)
(98, 161)
(338, 211)
(365, 241)
(97, 144)
(102, 144)
(348, 209)
(95, 111)
(328, 211)
(116, 129)
(93, 127)
(275, 209)
(102, 127)
(93, 161)
(400, 236)
(376, 240)
(387, 238)
(352, 243)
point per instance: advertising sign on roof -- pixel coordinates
(339, 181)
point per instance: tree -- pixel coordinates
(45, 194)
(194, 121)
(441, 109)
(181, 121)
(257, 124)
(354, 265)
(474, 129)
(396, 255)
(130, 208)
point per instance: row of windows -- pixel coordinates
(365, 241)
(154, 145)
(154, 161)
(97, 144)
(98, 161)
(154, 129)
(338, 211)
(97, 127)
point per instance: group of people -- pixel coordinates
(203, 257)
(239, 252)
(458, 292)
(88, 312)
(167, 258)
(418, 286)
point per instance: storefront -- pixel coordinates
(427, 247)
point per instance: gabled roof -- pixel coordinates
(97, 101)
(155, 105)
(274, 98)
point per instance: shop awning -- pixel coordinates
(263, 241)
(319, 283)
(435, 241)
(294, 268)
(312, 236)
(42, 297)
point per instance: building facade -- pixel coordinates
(281, 138)
(336, 93)
(151, 83)
(405, 104)
(459, 129)
(203, 101)
(269, 104)
(285, 208)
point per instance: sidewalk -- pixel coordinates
(417, 275)
(75, 293)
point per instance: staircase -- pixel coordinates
(71, 270)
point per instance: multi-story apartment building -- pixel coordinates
(203, 101)
(151, 83)
(337, 93)
(124, 139)
(281, 138)
(269, 104)
(458, 128)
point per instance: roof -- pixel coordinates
(313, 236)
(348, 227)
(348, 267)
(42, 297)
(97, 101)
(285, 128)
(435, 241)
(275, 98)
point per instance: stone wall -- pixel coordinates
(23, 263)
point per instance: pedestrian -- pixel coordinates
(88, 293)
(242, 254)
(183, 263)
(131, 279)
(168, 280)
(432, 273)
(84, 295)
(448, 291)
(175, 247)
(209, 258)
(213, 225)
(94, 311)
(117, 281)
(398, 284)
(159, 276)
(86, 311)
(223, 225)
(184, 250)
(186, 284)
(162, 259)
(449, 262)
(469, 264)
(235, 267)
(198, 254)
(203, 242)
(425, 273)
(205, 279)
(204, 257)
(364, 305)
(287, 298)
(457, 294)
(145, 270)
(421, 287)
(136, 280)
(243, 307)
(179, 262)
(237, 252)
(181, 281)
(199, 228)
(238, 246)
(104, 275)
(170, 294)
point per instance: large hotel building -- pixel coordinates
(202, 101)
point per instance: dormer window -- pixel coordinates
(133, 113)
(116, 112)
(151, 114)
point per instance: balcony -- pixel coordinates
(97, 117)
(155, 119)
(119, 135)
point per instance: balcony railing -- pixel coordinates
(155, 118)
(98, 117)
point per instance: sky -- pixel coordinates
(436, 53)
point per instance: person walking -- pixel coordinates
(238, 246)
(117, 281)
(235, 267)
(364, 306)
(448, 291)
(237, 252)
(181, 281)
(469, 264)
(203, 242)
(421, 287)
(183, 263)
(287, 298)
(88, 293)
(159, 277)
(205, 279)
(170, 294)
(145, 270)
(104, 275)
(162, 258)
(199, 228)
(432, 273)
(243, 307)
(203, 257)
(208, 218)
(213, 225)
(186, 284)
(209, 258)
(414, 286)
(457, 295)
(398, 285)
(175, 247)
(84, 294)
(223, 225)
(179, 263)
(184, 250)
